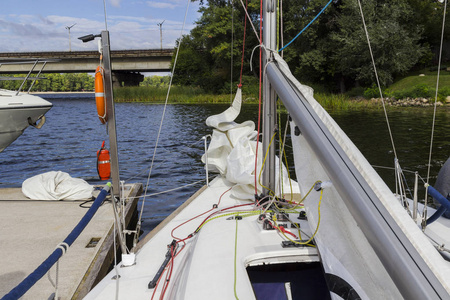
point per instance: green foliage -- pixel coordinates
(422, 90)
(68, 82)
(372, 92)
(421, 86)
(156, 81)
(332, 52)
(204, 58)
(356, 92)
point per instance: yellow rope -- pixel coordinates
(242, 214)
(317, 228)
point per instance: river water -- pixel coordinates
(72, 134)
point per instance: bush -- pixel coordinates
(372, 92)
(421, 90)
(356, 92)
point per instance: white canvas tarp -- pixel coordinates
(56, 185)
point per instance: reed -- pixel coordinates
(195, 95)
(178, 94)
(343, 102)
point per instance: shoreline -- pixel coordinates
(355, 103)
(73, 92)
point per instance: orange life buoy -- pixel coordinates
(100, 98)
(103, 163)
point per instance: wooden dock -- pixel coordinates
(30, 231)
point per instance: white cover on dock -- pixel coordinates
(56, 185)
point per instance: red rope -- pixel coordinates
(243, 45)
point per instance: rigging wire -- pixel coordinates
(243, 45)
(250, 21)
(323, 9)
(377, 79)
(162, 120)
(437, 88)
(424, 214)
(281, 27)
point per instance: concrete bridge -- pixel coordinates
(126, 64)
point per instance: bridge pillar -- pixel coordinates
(124, 78)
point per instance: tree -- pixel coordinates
(394, 41)
(205, 54)
(332, 52)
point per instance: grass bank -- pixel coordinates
(193, 95)
(178, 94)
(421, 85)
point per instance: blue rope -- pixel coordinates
(445, 204)
(306, 26)
(40, 271)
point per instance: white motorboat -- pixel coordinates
(18, 110)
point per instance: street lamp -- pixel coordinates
(68, 28)
(160, 31)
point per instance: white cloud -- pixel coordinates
(161, 5)
(115, 3)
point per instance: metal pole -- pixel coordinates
(70, 42)
(112, 131)
(160, 34)
(269, 98)
(416, 184)
(160, 31)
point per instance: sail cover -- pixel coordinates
(406, 254)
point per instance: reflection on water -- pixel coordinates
(72, 135)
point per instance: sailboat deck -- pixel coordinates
(225, 242)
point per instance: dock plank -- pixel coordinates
(30, 231)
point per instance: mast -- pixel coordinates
(269, 97)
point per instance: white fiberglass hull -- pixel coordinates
(16, 114)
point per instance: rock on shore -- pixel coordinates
(420, 102)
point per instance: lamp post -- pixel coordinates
(70, 44)
(160, 31)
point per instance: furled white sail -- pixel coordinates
(232, 152)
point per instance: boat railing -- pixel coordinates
(35, 62)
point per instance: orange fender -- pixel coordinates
(103, 163)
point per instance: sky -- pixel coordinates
(40, 25)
